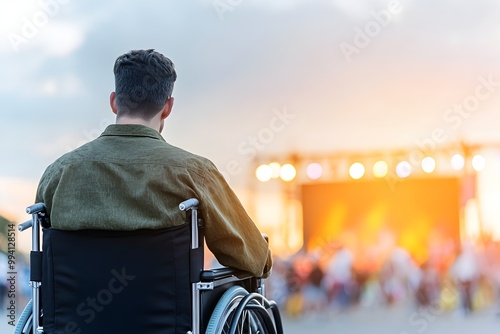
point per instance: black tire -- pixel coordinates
(256, 309)
(221, 318)
(229, 314)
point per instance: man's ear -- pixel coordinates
(168, 108)
(112, 103)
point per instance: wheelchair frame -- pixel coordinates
(242, 304)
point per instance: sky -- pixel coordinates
(255, 78)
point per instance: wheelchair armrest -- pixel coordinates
(225, 272)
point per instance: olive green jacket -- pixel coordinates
(130, 178)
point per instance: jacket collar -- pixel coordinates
(131, 130)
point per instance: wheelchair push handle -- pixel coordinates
(188, 204)
(24, 226)
(35, 208)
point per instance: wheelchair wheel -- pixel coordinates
(25, 322)
(256, 309)
(230, 316)
(221, 318)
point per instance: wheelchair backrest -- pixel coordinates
(116, 281)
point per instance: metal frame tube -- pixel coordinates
(195, 296)
(194, 228)
(195, 309)
(35, 286)
(192, 204)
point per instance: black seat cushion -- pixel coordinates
(116, 281)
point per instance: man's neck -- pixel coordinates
(153, 123)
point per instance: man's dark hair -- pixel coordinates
(144, 80)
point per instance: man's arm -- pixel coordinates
(46, 188)
(230, 233)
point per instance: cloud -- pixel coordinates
(60, 39)
(278, 4)
(353, 8)
(54, 85)
(38, 39)
(38, 26)
(57, 39)
(65, 85)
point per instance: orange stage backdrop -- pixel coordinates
(370, 216)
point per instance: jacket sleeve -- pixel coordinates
(230, 233)
(47, 187)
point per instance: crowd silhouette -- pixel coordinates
(334, 278)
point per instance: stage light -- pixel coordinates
(403, 169)
(380, 169)
(478, 162)
(275, 168)
(287, 172)
(357, 170)
(428, 164)
(457, 162)
(314, 171)
(264, 173)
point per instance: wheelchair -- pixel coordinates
(94, 281)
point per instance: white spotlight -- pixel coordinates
(403, 169)
(478, 162)
(428, 164)
(380, 169)
(314, 171)
(264, 173)
(357, 170)
(287, 172)
(457, 162)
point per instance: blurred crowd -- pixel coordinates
(334, 278)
